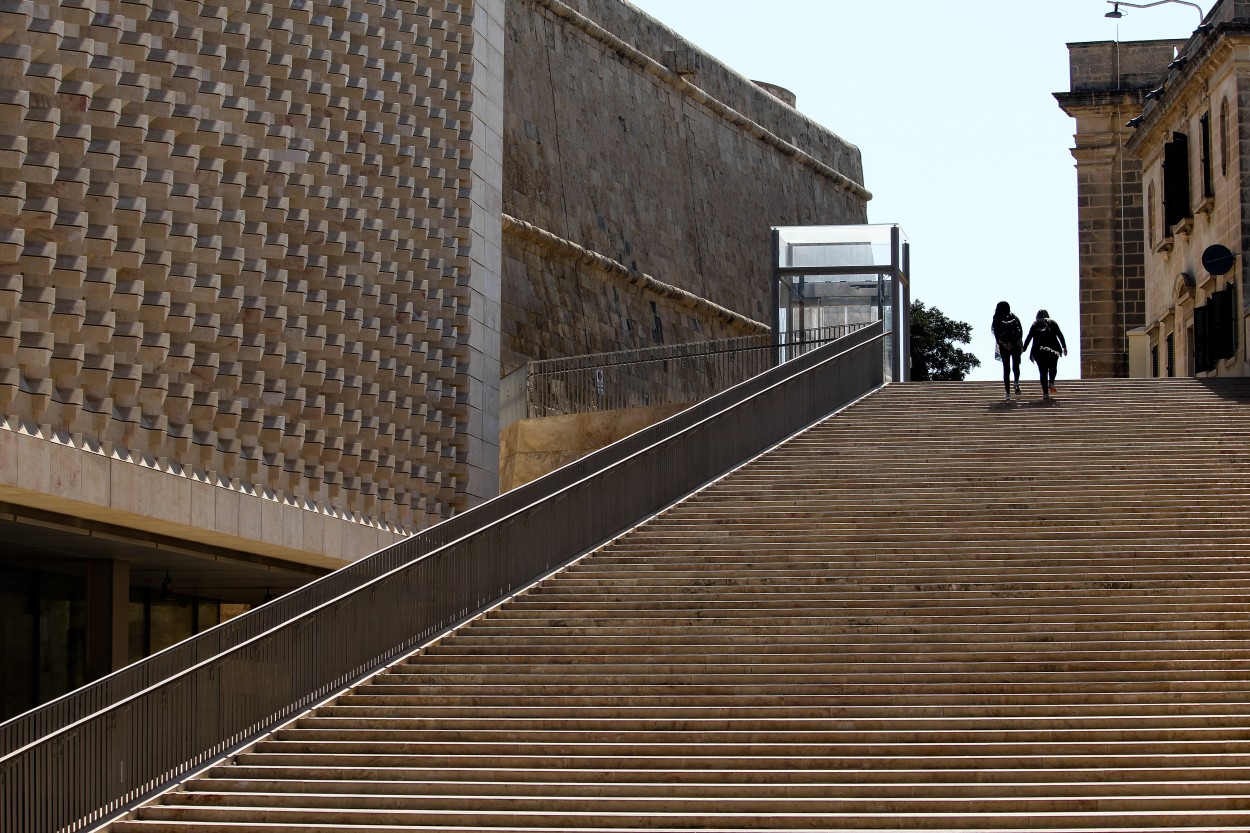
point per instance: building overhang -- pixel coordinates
(1080, 104)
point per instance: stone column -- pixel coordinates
(1109, 81)
(108, 617)
(1109, 223)
(487, 249)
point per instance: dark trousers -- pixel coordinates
(1047, 363)
(1011, 361)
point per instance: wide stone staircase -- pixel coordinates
(934, 611)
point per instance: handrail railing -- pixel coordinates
(666, 374)
(78, 760)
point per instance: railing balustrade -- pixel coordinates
(664, 375)
(89, 755)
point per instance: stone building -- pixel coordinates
(1109, 82)
(1177, 313)
(246, 288)
(263, 265)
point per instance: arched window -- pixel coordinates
(1225, 137)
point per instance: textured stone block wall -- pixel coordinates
(675, 176)
(1108, 84)
(237, 237)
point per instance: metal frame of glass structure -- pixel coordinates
(843, 275)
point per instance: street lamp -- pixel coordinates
(1116, 14)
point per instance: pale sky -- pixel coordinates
(963, 143)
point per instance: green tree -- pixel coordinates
(934, 356)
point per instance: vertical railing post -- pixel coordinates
(776, 294)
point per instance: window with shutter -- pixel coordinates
(1204, 134)
(1225, 138)
(1222, 321)
(1176, 182)
(1202, 340)
(1233, 321)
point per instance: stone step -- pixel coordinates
(815, 627)
(696, 692)
(1113, 565)
(784, 678)
(267, 818)
(558, 642)
(943, 511)
(932, 611)
(850, 827)
(1130, 781)
(955, 645)
(626, 585)
(970, 759)
(401, 808)
(833, 729)
(820, 524)
(501, 663)
(1023, 661)
(946, 701)
(1108, 713)
(709, 596)
(364, 782)
(1080, 547)
(1057, 746)
(940, 611)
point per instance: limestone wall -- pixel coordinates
(1108, 85)
(531, 448)
(678, 176)
(235, 239)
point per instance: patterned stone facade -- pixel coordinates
(624, 140)
(236, 245)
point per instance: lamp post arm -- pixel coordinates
(1201, 13)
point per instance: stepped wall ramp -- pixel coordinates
(85, 758)
(931, 612)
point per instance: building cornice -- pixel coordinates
(1074, 104)
(1181, 86)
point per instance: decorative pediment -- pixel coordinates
(1184, 287)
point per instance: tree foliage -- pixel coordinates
(934, 356)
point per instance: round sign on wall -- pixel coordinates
(1218, 260)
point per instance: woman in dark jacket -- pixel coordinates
(1007, 334)
(1048, 345)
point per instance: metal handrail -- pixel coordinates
(88, 755)
(817, 335)
(661, 375)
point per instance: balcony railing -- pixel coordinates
(93, 753)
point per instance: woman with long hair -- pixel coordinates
(1007, 332)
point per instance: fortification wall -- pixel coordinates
(677, 176)
(236, 244)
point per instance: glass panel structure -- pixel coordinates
(827, 276)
